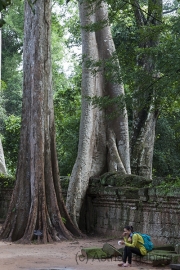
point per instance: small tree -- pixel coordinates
(37, 202)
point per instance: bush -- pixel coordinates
(7, 181)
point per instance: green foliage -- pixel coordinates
(67, 103)
(164, 82)
(168, 64)
(64, 182)
(14, 17)
(166, 159)
(107, 103)
(2, 22)
(11, 85)
(57, 46)
(170, 182)
(2, 107)
(7, 181)
(94, 253)
(66, 87)
(168, 186)
(11, 142)
(12, 40)
(129, 41)
(72, 25)
(63, 220)
(3, 5)
(162, 52)
(127, 180)
(110, 66)
(67, 106)
(92, 27)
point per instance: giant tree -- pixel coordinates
(37, 203)
(103, 138)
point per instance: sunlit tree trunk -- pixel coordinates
(2, 159)
(145, 112)
(103, 144)
(37, 203)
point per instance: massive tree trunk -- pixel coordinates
(2, 160)
(37, 202)
(145, 113)
(103, 144)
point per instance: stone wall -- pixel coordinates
(5, 194)
(112, 203)
(5, 197)
(151, 210)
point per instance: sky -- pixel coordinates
(71, 55)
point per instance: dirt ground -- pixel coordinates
(60, 256)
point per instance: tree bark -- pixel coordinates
(2, 160)
(145, 113)
(37, 203)
(103, 143)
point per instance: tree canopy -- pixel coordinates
(126, 37)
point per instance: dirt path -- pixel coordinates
(59, 256)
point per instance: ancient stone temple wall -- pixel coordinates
(112, 203)
(5, 197)
(150, 210)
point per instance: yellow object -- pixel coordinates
(137, 242)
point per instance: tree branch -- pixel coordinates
(154, 12)
(170, 11)
(141, 12)
(139, 15)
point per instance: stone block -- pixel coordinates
(175, 266)
(94, 252)
(165, 247)
(112, 251)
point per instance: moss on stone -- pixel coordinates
(160, 257)
(112, 251)
(94, 253)
(94, 181)
(163, 258)
(128, 180)
(164, 247)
